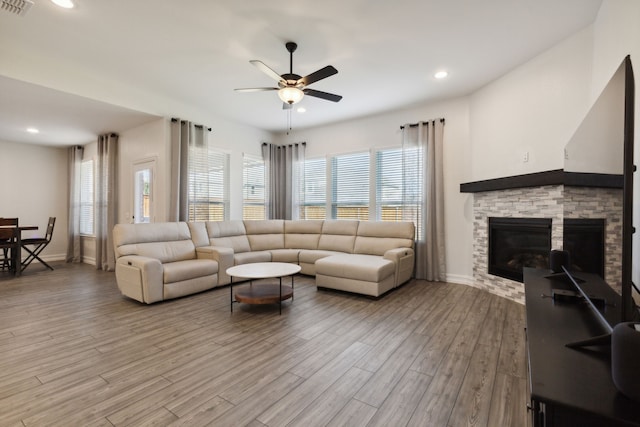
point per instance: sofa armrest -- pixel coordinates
(224, 257)
(404, 259)
(140, 278)
(397, 253)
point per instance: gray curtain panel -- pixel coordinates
(424, 188)
(74, 248)
(184, 134)
(106, 197)
(284, 170)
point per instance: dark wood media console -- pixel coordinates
(569, 386)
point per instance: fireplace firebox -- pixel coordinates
(585, 241)
(515, 243)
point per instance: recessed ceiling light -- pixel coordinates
(301, 110)
(440, 74)
(33, 130)
(67, 4)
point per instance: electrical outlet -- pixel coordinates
(566, 154)
(525, 157)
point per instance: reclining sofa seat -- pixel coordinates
(160, 261)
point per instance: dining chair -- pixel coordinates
(34, 246)
(8, 243)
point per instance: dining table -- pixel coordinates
(16, 251)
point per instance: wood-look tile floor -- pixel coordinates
(74, 352)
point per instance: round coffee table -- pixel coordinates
(263, 293)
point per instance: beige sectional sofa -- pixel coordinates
(158, 261)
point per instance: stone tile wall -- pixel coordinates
(555, 202)
(597, 203)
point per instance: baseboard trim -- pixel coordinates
(460, 279)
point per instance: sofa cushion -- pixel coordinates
(376, 238)
(249, 257)
(370, 268)
(265, 234)
(338, 235)
(285, 255)
(190, 269)
(228, 234)
(166, 242)
(311, 256)
(162, 251)
(302, 234)
(199, 233)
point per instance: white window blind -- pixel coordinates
(208, 184)
(86, 197)
(253, 188)
(389, 185)
(314, 189)
(399, 185)
(350, 186)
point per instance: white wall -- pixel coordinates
(534, 109)
(33, 187)
(384, 131)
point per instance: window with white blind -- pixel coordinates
(86, 197)
(313, 200)
(399, 185)
(208, 184)
(350, 186)
(253, 188)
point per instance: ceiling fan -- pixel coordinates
(292, 87)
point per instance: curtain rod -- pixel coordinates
(174, 119)
(413, 125)
(295, 143)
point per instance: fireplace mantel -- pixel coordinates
(538, 179)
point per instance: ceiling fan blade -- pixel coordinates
(323, 95)
(255, 89)
(268, 71)
(322, 73)
(287, 106)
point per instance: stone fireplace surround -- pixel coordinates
(555, 195)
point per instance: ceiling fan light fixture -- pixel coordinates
(290, 95)
(67, 4)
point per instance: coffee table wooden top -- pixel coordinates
(263, 270)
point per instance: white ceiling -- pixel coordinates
(165, 58)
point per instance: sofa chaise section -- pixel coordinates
(160, 261)
(382, 259)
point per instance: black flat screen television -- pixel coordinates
(630, 266)
(630, 269)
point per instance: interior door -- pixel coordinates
(143, 200)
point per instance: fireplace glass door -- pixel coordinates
(515, 243)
